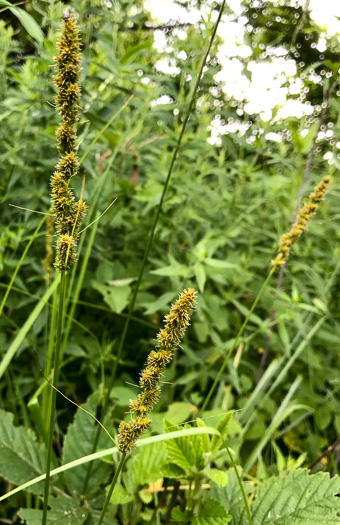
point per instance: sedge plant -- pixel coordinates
(287, 240)
(168, 340)
(68, 213)
(190, 106)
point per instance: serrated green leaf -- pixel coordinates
(21, 457)
(120, 495)
(179, 516)
(146, 497)
(297, 498)
(63, 510)
(186, 452)
(212, 513)
(230, 495)
(172, 471)
(146, 464)
(79, 442)
(217, 476)
(222, 427)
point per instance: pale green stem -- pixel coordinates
(112, 486)
(245, 501)
(237, 339)
(55, 381)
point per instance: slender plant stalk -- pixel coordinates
(33, 236)
(244, 497)
(237, 339)
(55, 381)
(296, 210)
(112, 486)
(152, 232)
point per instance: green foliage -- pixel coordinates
(79, 442)
(21, 456)
(231, 196)
(63, 510)
(297, 498)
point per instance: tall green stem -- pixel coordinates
(237, 339)
(152, 232)
(244, 497)
(112, 486)
(55, 381)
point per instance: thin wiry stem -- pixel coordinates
(297, 206)
(112, 486)
(244, 497)
(153, 229)
(237, 339)
(55, 381)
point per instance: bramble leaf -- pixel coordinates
(21, 457)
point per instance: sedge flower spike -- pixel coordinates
(305, 214)
(68, 213)
(168, 339)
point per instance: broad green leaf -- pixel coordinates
(178, 412)
(217, 476)
(146, 464)
(297, 498)
(222, 428)
(26, 20)
(212, 513)
(172, 471)
(200, 275)
(116, 297)
(122, 395)
(185, 452)
(160, 303)
(216, 263)
(79, 442)
(169, 271)
(179, 516)
(21, 457)
(230, 495)
(120, 495)
(63, 510)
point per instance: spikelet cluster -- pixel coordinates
(68, 213)
(168, 339)
(304, 215)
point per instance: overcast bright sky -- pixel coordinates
(269, 77)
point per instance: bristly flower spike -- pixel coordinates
(168, 339)
(68, 213)
(305, 214)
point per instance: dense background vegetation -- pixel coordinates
(232, 194)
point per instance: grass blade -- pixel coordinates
(109, 451)
(33, 236)
(26, 327)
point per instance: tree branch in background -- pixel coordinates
(325, 453)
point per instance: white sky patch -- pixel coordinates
(265, 91)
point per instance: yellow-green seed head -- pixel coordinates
(68, 213)
(304, 215)
(168, 340)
